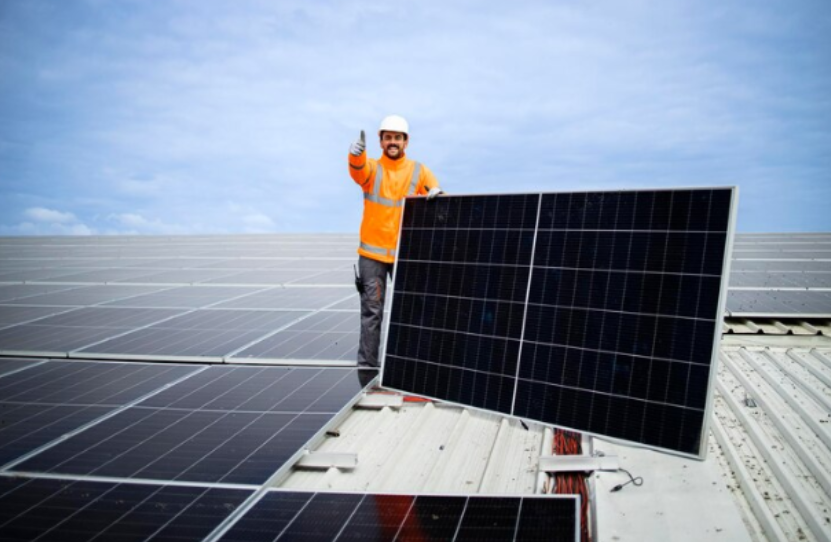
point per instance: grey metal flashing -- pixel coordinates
(327, 460)
(289, 362)
(144, 357)
(32, 354)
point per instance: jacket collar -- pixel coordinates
(393, 165)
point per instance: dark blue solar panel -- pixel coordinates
(63, 510)
(225, 424)
(283, 515)
(89, 383)
(594, 311)
(263, 389)
(11, 365)
(25, 428)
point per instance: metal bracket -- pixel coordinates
(381, 400)
(577, 463)
(327, 460)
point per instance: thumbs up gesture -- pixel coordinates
(358, 147)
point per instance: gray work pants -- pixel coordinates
(374, 279)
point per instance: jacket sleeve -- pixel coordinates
(427, 181)
(362, 170)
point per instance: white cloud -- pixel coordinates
(45, 228)
(136, 223)
(42, 214)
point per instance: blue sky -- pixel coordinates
(207, 116)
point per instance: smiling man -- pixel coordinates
(385, 182)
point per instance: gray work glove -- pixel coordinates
(357, 148)
(434, 192)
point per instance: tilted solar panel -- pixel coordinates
(595, 311)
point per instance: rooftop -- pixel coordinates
(235, 300)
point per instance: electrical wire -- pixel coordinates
(637, 482)
(572, 483)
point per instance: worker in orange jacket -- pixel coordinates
(385, 182)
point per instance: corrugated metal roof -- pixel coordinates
(768, 468)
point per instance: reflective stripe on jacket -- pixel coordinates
(385, 183)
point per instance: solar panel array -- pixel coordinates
(594, 311)
(277, 298)
(168, 451)
(781, 275)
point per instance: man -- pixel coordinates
(385, 183)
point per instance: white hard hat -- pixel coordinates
(394, 123)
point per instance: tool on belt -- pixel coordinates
(359, 285)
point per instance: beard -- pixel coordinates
(397, 154)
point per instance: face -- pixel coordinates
(393, 144)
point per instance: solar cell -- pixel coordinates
(89, 295)
(180, 276)
(593, 311)
(198, 333)
(88, 383)
(43, 509)
(352, 303)
(101, 275)
(30, 275)
(12, 292)
(312, 264)
(27, 427)
(287, 515)
(259, 276)
(76, 329)
(338, 277)
(48, 400)
(230, 425)
(12, 314)
(11, 365)
(289, 298)
(262, 389)
(185, 297)
(325, 335)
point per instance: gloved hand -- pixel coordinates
(358, 147)
(434, 192)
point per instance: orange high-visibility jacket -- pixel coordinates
(385, 182)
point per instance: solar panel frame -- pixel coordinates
(722, 267)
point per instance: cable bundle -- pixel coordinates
(572, 483)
